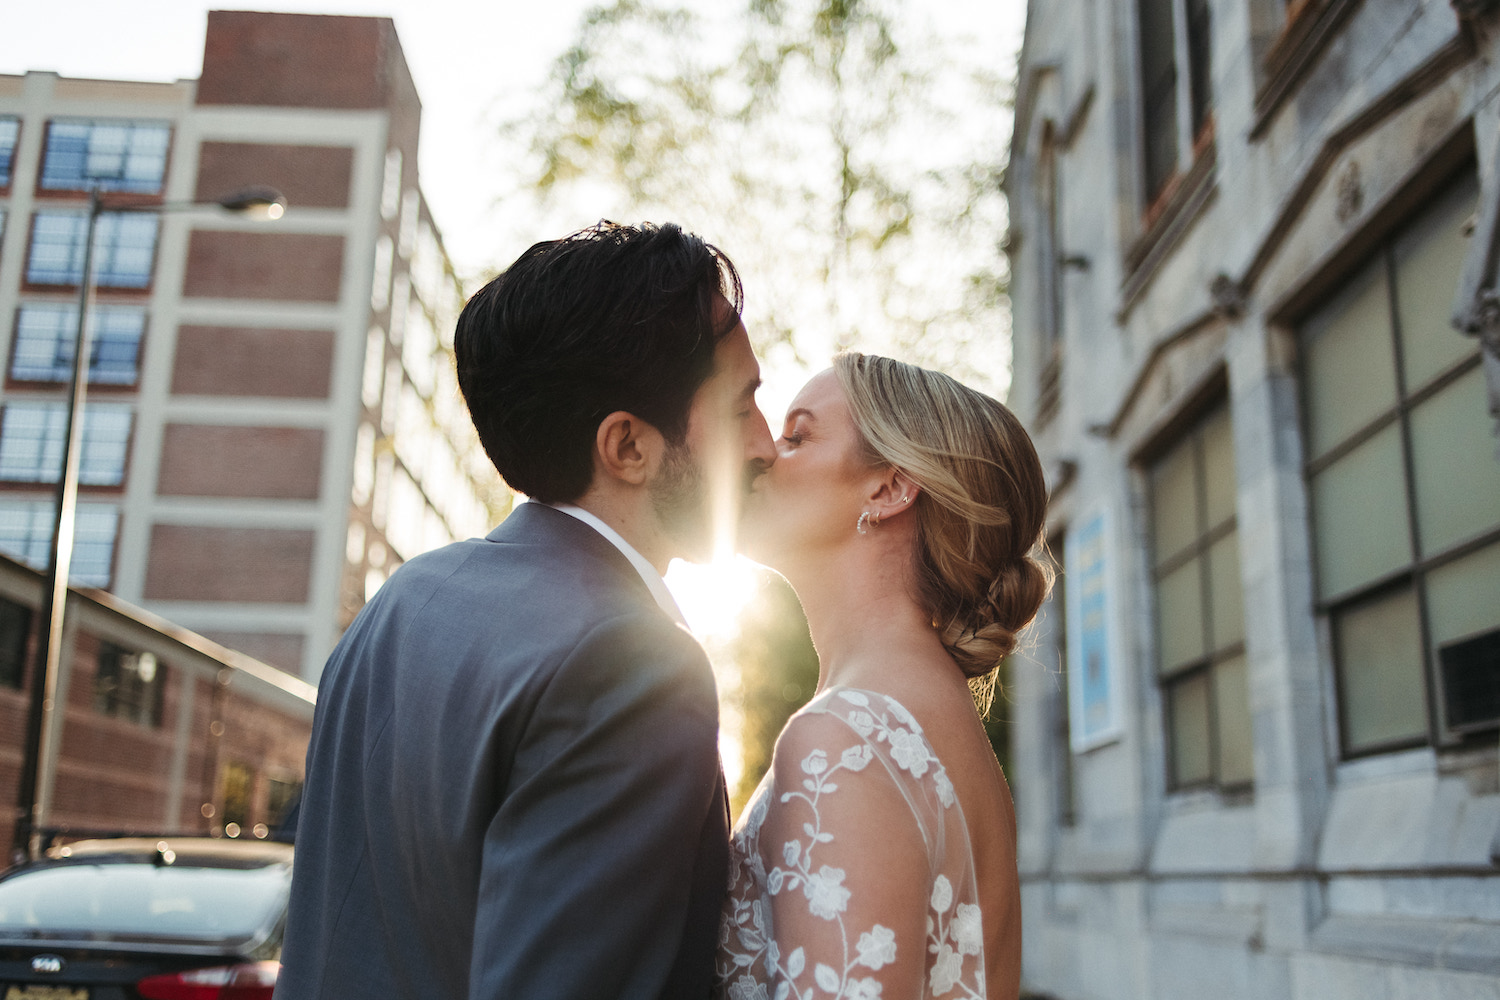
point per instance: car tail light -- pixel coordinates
(250, 981)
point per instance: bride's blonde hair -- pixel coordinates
(981, 510)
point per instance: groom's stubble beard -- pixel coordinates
(696, 506)
(679, 497)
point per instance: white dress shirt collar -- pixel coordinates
(648, 573)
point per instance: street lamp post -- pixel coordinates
(263, 202)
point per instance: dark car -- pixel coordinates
(181, 918)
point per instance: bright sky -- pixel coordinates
(465, 57)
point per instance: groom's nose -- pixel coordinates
(760, 446)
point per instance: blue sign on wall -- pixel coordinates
(1093, 681)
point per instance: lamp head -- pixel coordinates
(258, 202)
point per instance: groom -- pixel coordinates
(513, 786)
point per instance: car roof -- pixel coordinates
(212, 851)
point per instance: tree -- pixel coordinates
(845, 160)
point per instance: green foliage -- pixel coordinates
(845, 159)
(778, 671)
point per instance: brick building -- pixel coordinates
(160, 730)
(1254, 750)
(273, 423)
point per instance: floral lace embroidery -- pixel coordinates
(751, 960)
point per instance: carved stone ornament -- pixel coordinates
(1351, 193)
(1228, 296)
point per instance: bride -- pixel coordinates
(878, 856)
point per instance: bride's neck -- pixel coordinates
(862, 617)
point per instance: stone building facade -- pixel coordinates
(1254, 745)
(273, 422)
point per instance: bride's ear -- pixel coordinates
(894, 494)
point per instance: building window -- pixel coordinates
(124, 248)
(1176, 87)
(1057, 620)
(26, 534)
(1199, 609)
(10, 129)
(236, 787)
(15, 627)
(113, 155)
(1405, 493)
(129, 685)
(45, 335)
(31, 443)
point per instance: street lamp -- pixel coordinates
(256, 202)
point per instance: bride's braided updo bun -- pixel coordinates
(981, 510)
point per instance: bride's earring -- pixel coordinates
(859, 525)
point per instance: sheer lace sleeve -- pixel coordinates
(853, 874)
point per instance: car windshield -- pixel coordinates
(139, 900)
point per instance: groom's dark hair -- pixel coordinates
(609, 318)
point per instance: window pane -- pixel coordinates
(115, 155)
(1359, 512)
(1187, 708)
(1429, 259)
(124, 250)
(15, 626)
(45, 334)
(1218, 468)
(1236, 742)
(31, 443)
(1158, 93)
(56, 249)
(1380, 671)
(1349, 371)
(1174, 501)
(1179, 607)
(1228, 604)
(26, 530)
(26, 534)
(10, 128)
(1463, 597)
(1458, 483)
(93, 544)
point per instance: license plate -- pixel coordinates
(46, 993)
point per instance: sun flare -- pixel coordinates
(713, 596)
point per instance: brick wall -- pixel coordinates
(297, 267)
(257, 565)
(309, 176)
(282, 463)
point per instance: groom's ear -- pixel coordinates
(627, 449)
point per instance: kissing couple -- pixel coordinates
(513, 787)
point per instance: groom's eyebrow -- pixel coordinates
(751, 388)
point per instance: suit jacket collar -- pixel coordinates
(539, 524)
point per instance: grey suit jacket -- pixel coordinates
(513, 785)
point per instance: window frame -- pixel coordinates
(1411, 576)
(36, 541)
(107, 234)
(114, 182)
(1191, 139)
(1187, 429)
(96, 435)
(143, 703)
(65, 336)
(8, 153)
(13, 651)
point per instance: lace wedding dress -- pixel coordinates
(852, 875)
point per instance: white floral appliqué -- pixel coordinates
(752, 963)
